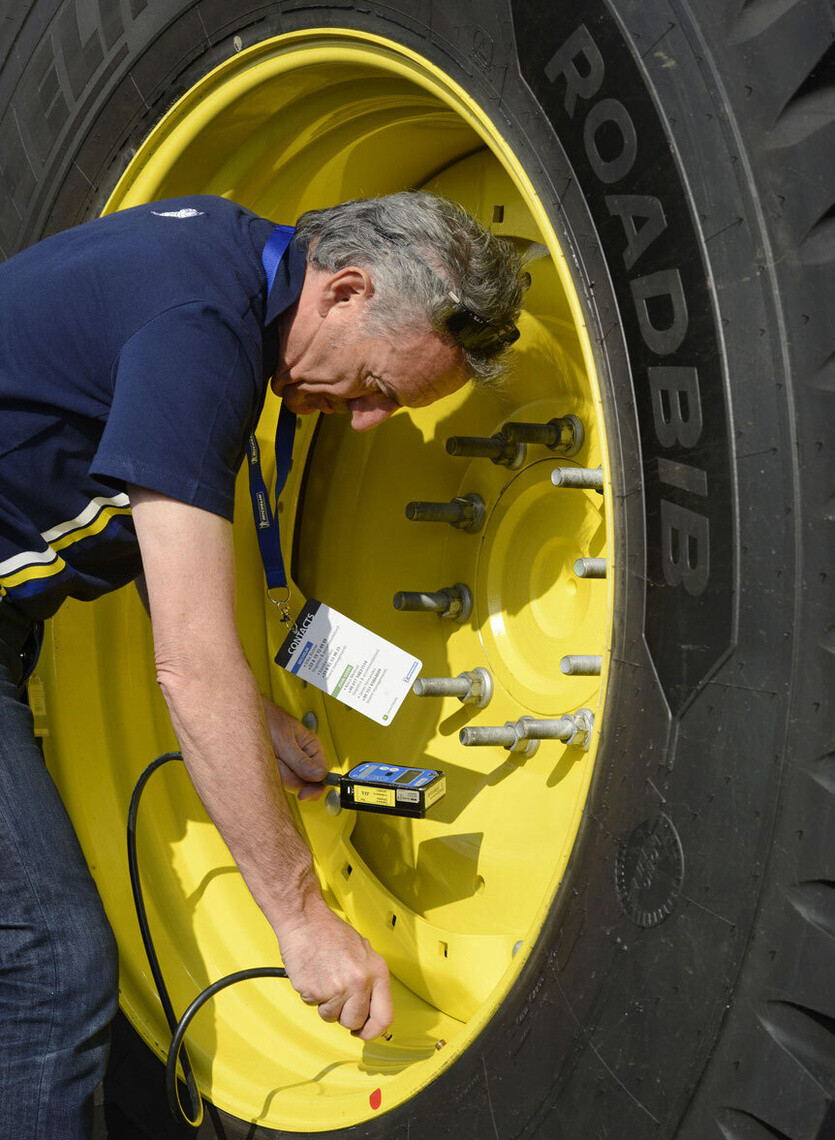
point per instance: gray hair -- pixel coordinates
(417, 248)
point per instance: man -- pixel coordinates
(135, 355)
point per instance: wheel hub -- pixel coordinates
(531, 608)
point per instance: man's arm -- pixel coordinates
(301, 762)
(219, 719)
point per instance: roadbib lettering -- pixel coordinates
(587, 80)
(348, 662)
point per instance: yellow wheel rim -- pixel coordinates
(454, 902)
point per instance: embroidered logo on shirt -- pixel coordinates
(188, 212)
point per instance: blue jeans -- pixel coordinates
(58, 965)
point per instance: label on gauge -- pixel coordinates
(436, 791)
(380, 797)
(349, 662)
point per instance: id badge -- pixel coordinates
(348, 661)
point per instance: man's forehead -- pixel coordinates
(439, 387)
(422, 368)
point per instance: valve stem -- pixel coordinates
(590, 567)
(563, 433)
(585, 478)
(466, 513)
(448, 602)
(495, 448)
(471, 688)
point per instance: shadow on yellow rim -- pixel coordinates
(455, 903)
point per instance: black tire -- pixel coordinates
(684, 983)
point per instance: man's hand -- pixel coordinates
(331, 966)
(301, 760)
(327, 962)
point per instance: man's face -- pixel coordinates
(331, 365)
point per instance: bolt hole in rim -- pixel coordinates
(455, 901)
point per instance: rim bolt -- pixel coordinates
(449, 602)
(571, 728)
(496, 448)
(465, 513)
(472, 688)
(504, 735)
(590, 567)
(525, 734)
(563, 433)
(580, 665)
(584, 478)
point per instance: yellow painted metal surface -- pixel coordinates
(454, 901)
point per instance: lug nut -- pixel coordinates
(525, 734)
(465, 513)
(564, 434)
(590, 567)
(449, 602)
(585, 478)
(580, 665)
(472, 688)
(495, 447)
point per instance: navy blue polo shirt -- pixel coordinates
(136, 348)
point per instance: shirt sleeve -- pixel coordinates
(185, 397)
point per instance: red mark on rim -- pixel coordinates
(376, 1098)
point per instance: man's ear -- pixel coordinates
(350, 287)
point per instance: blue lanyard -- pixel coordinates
(266, 519)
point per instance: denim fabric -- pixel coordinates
(58, 966)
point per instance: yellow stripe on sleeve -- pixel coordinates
(30, 573)
(96, 527)
(39, 570)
